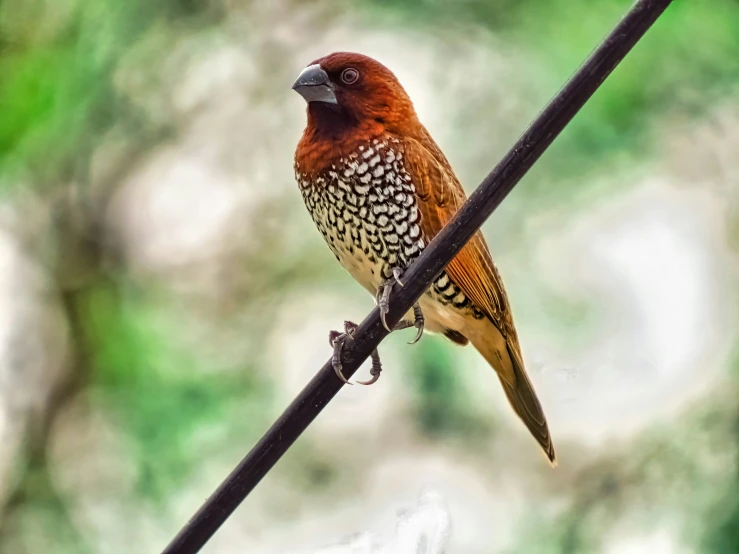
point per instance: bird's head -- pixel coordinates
(353, 93)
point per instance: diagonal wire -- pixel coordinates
(486, 198)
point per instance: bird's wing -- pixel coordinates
(440, 195)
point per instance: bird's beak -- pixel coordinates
(314, 85)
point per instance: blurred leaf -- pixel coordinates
(442, 406)
(688, 59)
(57, 94)
(162, 394)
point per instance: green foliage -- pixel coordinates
(689, 58)
(721, 533)
(41, 520)
(645, 84)
(442, 407)
(163, 394)
(723, 536)
(56, 92)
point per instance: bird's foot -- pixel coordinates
(383, 302)
(337, 340)
(374, 370)
(383, 295)
(418, 323)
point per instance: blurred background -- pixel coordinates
(164, 294)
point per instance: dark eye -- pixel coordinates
(349, 76)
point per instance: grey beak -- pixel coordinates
(314, 85)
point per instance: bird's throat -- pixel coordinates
(332, 133)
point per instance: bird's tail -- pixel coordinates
(507, 363)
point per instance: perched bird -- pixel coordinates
(379, 189)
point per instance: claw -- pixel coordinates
(337, 340)
(336, 359)
(383, 296)
(384, 307)
(383, 312)
(339, 374)
(375, 371)
(418, 322)
(370, 381)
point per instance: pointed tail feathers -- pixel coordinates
(523, 399)
(519, 390)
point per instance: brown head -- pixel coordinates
(351, 99)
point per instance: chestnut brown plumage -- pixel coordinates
(379, 189)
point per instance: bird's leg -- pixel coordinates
(383, 302)
(383, 294)
(376, 369)
(418, 323)
(337, 340)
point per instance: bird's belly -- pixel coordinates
(369, 253)
(438, 317)
(361, 264)
(445, 306)
(367, 211)
(440, 312)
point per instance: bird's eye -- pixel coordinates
(349, 76)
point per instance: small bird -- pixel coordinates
(379, 189)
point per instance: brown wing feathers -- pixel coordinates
(440, 196)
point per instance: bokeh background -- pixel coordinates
(164, 295)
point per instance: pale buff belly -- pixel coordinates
(438, 316)
(366, 209)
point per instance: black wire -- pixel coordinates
(488, 196)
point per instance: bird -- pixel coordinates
(379, 189)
